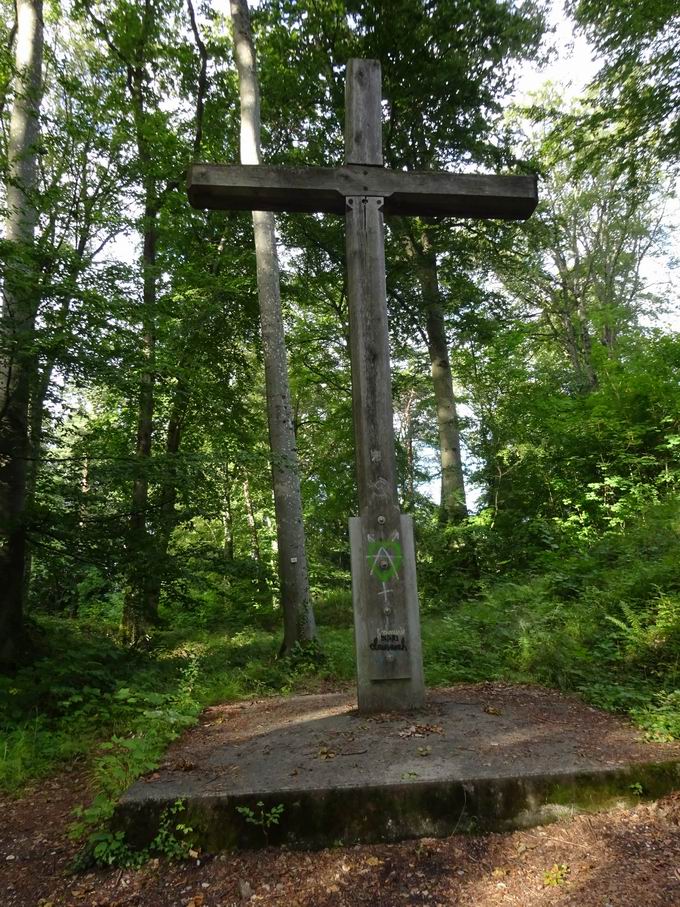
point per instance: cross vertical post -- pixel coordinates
(384, 592)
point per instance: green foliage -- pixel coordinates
(556, 875)
(660, 716)
(639, 80)
(87, 695)
(563, 467)
(334, 606)
(109, 848)
(78, 692)
(603, 623)
(173, 839)
(260, 817)
(448, 565)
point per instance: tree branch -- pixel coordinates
(202, 80)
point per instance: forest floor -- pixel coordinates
(620, 858)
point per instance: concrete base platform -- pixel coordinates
(476, 758)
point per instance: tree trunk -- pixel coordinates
(252, 522)
(168, 501)
(17, 322)
(228, 518)
(298, 615)
(140, 605)
(35, 435)
(41, 386)
(452, 507)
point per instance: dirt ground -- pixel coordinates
(621, 858)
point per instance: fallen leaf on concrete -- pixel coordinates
(421, 730)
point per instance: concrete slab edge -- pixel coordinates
(313, 819)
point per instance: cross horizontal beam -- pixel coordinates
(324, 189)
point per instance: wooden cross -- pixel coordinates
(384, 591)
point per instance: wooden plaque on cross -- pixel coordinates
(384, 589)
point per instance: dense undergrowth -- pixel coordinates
(604, 623)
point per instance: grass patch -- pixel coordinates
(86, 689)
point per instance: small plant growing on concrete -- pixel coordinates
(109, 848)
(173, 839)
(264, 818)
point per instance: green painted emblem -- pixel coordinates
(384, 557)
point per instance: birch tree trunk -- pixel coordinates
(17, 322)
(452, 507)
(298, 615)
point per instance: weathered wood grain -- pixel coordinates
(381, 602)
(389, 662)
(369, 347)
(363, 113)
(386, 685)
(324, 189)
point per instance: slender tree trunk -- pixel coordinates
(37, 416)
(452, 507)
(410, 452)
(589, 373)
(252, 522)
(298, 615)
(167, 508)
(35, 434)
(17, 323)
(228, 518)
(140, 605)
(578, 346)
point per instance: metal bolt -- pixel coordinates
(381, 520)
